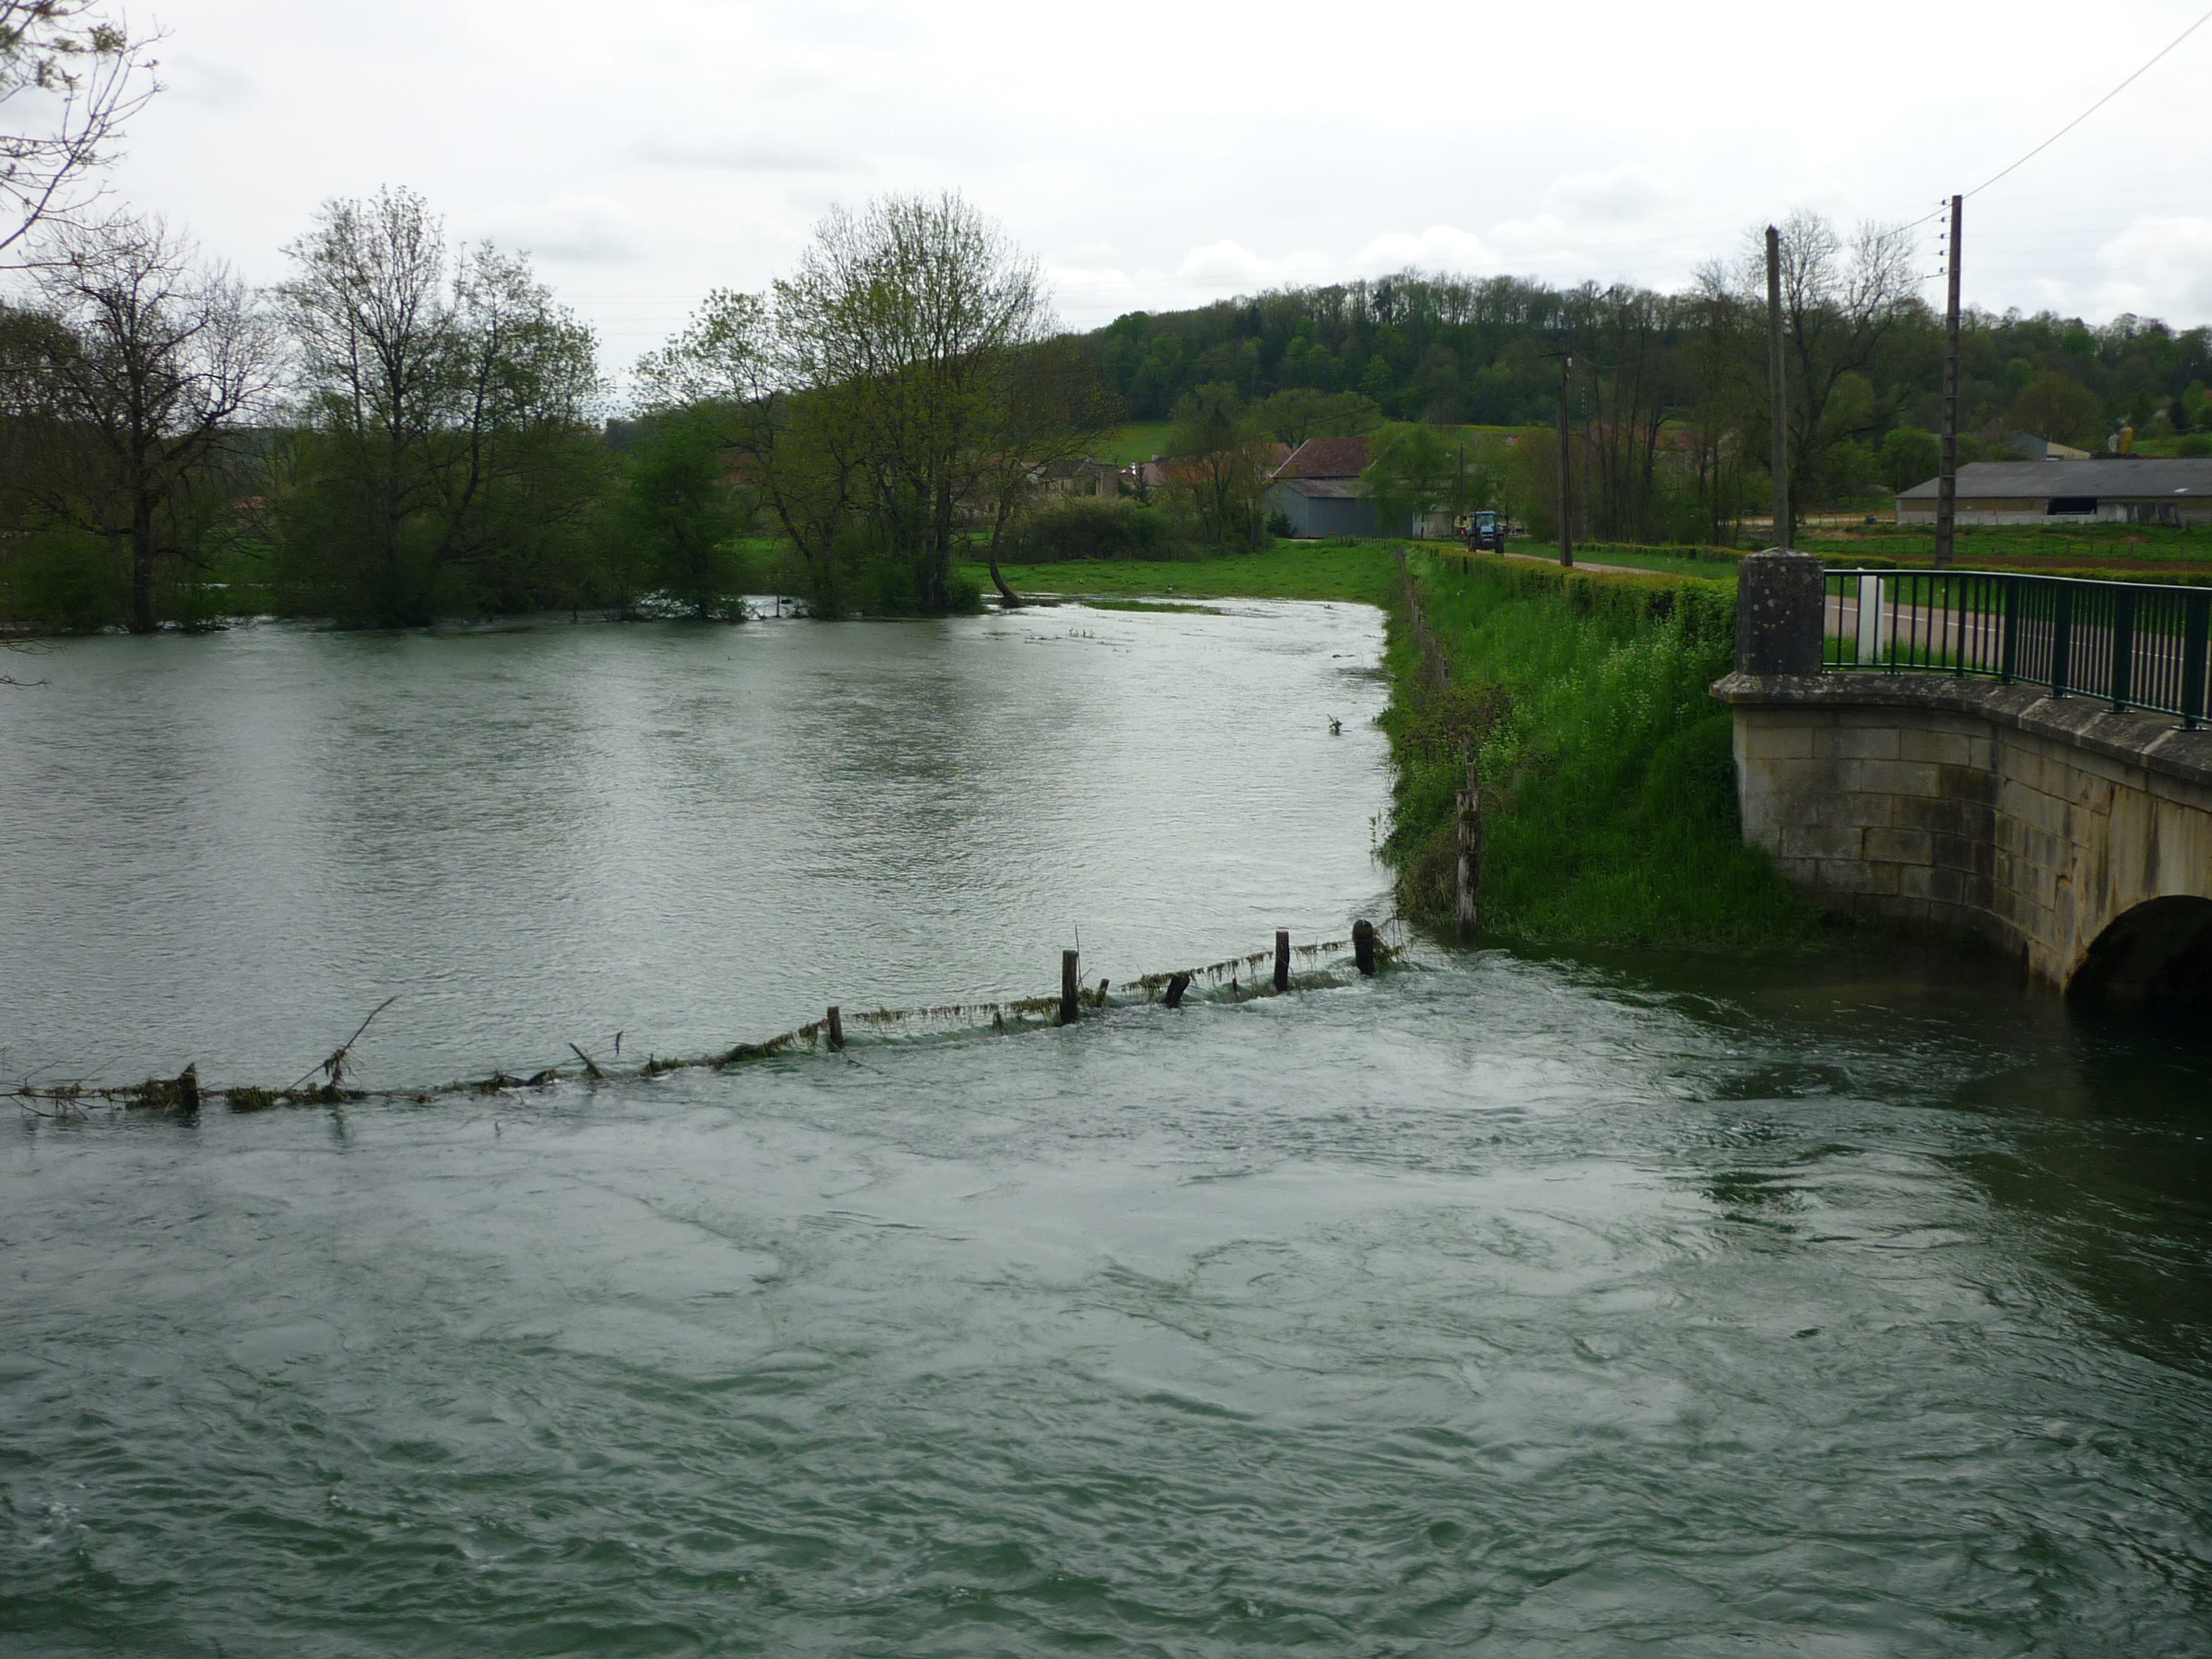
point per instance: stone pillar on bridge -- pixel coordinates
(1780, 602)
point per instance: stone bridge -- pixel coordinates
(2076, 838)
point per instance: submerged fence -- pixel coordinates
(1234, 979)
(2138, 646)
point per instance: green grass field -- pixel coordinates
(1140, 440)
(1362, 571)
(1632, 558)
(2118, 547)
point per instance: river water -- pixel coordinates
(1501, 1305)
(227, 850)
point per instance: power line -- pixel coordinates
(1930, 218)
(2094, 108)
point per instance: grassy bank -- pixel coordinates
(1357, 570)
(1609, 787)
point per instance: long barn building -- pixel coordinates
(2128, 489)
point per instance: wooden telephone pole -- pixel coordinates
(1775, 388)
(1566, 491)
(1947, 471)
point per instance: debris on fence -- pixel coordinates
(1234, 979)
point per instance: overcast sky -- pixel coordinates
(1156, 155)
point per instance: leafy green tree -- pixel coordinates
(1375, 379)
(1220, 456)
(873, 394)
(1487, 476)
(1908, 456)
(1411, 471)
(677, 518)
(1299, 413)
(2059, 408)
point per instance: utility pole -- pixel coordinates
(1947, 471)
(1566, 492)
(1776, 386)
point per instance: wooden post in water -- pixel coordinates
(1071, 987)
(1470, 855)
(1282, 958)
(1362, 945)
(1177, 987)
(836, 1028)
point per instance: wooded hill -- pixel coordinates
(1865, 353)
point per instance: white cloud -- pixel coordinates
(1621, 195)
(192, 79)
(748, 155)
(2158, 266)
(582, 230)
(1180, 151)
(1440, 248)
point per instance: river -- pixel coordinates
(1503, 1303)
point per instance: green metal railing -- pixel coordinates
(2136, 646)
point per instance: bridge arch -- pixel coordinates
(2157, 954)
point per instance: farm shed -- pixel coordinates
(1317, 489)
(2125, 489)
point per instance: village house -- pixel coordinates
(1317, 489)
(1074, 477)
(2124, 489)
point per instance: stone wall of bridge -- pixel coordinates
(1972, 807)
(2076, 838)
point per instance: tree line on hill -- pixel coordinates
(1667, 397)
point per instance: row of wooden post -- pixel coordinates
(1470, 854)
(1071, 979)
(1434, 663)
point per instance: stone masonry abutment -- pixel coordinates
(2077, 837)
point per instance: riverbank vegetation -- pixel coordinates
(1606, 780)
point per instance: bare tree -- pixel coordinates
(1840, 305)
(1629, 345)
(147, 360)
(367, 310)
(70, 79)
(1720, 384)
(447, 398)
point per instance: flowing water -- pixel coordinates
(1499, 1304)
(228, 850)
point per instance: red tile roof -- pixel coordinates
(1325, 457)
